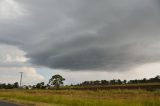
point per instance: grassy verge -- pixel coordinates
(83, 98)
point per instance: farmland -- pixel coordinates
(115, 97)
(89, 93)
(144, 86)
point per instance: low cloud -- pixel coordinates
(86, 35)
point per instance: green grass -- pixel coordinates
(82, 98)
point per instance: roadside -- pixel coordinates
(5, 103)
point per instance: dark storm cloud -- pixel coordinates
(86, 35)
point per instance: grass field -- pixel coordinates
(82, 98)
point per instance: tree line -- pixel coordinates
(9, 86)
(119, 82)
(57, 81)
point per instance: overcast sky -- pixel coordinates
(79, 39)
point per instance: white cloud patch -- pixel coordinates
(10, 58)
(11, 75)
(10, 9)
(11, 55)
(147, 70)
(13, 61)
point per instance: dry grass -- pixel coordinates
(83, 98)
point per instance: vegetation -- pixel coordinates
(56, 80)
(119, 82)
(40, 85)
(145, 92)
(83, 98)
(9, 86)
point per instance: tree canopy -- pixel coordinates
(56, 80)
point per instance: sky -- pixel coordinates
(79, 39)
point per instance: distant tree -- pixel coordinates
(119, 81)
(144, 80)
(40, 85)
(56, 80)
(113, 82)
(97, 82)
(157, 78)
(9, 86)
(85, 83)
(124, 81)
(2, 86)
(104, 82)
(16, 85)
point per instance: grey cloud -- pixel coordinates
(86, 35)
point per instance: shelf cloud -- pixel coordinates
(83, 35)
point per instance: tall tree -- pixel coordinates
(56, 80)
